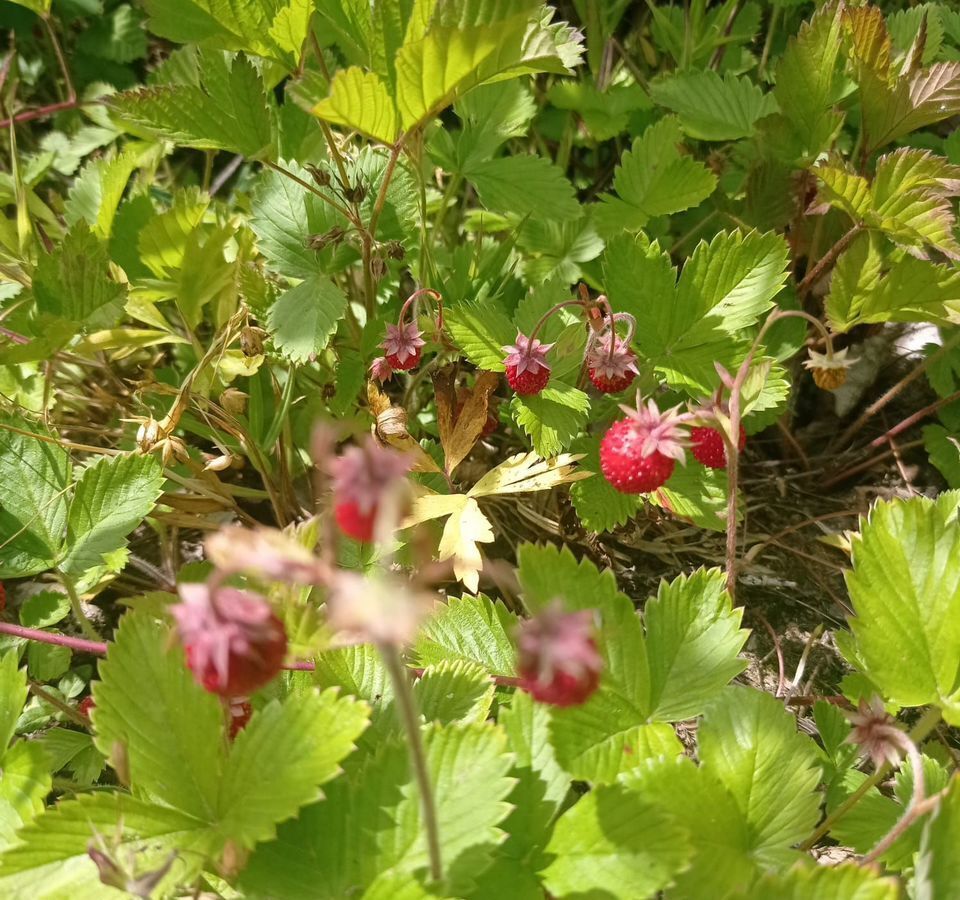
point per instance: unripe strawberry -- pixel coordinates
(638, 454)
(403, 345)
(707, 445)
(557, 660)
(363, 477)
(611, 371)
(526, 363)
(234, 642)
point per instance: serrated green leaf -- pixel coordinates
(557, 250)
(454, 691)
(599, 505)
(266, 780)
(905, 592)
(35, 472)
(284, 217)
(51, 861)
(371, 825)
(303, 318)
(524, 186)
(472, 629)
(712, 108)
(112, 498)
(229, 112)
(693, 644)
(96, 192)
(74, 281)
(360, 100)
(943, 450)
(605, 113)
(552, 418)
(47, 662)
(481, 331)
(855, 277)
(696, 493)
(611, 839)
(938, 867)
(24, 785)
(174, 744)
(653, 179)
(750, 744)
(846, 881)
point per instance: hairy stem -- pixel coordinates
(410, 720)
(827, 260)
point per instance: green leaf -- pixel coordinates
(846, 881)
(613, 844)
(552, 418)
(693, 644)
(856, 276)
(284, 217)
(360, 100)
(471, 629)
(725, 287)
(35, 473)
(599, 505)
(280, 759)
(938, 867)
(303, 318)
(808, 83)
(118, 36)
(173, 743)
(25, 784)
(557, 250)
(712, 108)
(51, 859)
(653, 179)
(481, 331)
(74, 282)
(98, 189)
(454, 691)
(271, 28)
(696, 493)
(749, 742)
(708, 812)
(371, 825)
(943, 451)
(605, 113)
(524, 186)
(46, 662)
(905, 592)
(229, 112)
(13, 694)
(112, 498)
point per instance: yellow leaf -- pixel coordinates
(527, 472)
(465, 529)
(430, 506)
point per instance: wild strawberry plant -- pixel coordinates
(359, 365)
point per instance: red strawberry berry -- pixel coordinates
(610, 385)
(611, 370)
(240, 711)
(526, 363)
(405, 364)
(85, 705)
(234, 642)
(558, 661)
(707, 445)
(528, 382)
(638, 454)
(354, 523)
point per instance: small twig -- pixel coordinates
(827, 260)
(867, 464)
(781, 669)
(225, 174)
(58, 50)
(802, 664)
(72, 714)
(913, 419)
(40, 112)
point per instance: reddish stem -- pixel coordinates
(40, 112)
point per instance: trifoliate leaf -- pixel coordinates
(612, 843)
(653, 179)
(712, 108)
(905, 591)
(473, 629)
(693, 644)
(35, 472)
(552, 418)
(303, 318)
(112, 498)
(749, 742)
